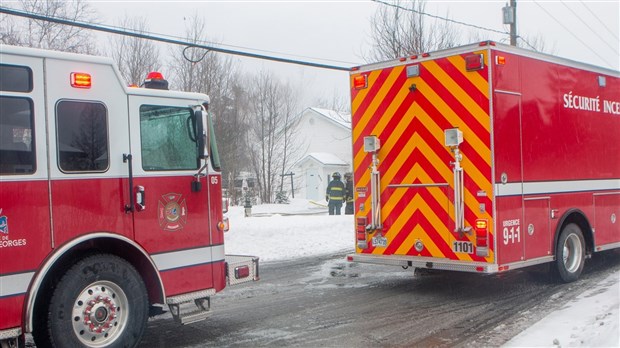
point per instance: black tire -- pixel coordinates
(570, 253)
(100, 302)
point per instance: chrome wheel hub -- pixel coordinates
(100, 314)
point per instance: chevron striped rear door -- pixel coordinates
(409, 116)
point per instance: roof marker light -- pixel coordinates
(426, 55)
(80, 80)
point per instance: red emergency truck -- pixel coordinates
(485, 158)
(110, 203)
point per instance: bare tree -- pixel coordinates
(273, 123)
(49, 35)
(335, 101)
(400, 29)
(134, 57)
(536, 43)
(197, 70)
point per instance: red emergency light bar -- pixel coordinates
(360, 82)
(80, 80)
(474, 62)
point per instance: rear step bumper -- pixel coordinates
(423, 262)
(196, 306)
(241, 269)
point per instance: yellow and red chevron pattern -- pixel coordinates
(409, 116)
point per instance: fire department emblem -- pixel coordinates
(172, 212)
(4, 224)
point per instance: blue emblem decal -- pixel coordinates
(4, 224)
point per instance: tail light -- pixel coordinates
(360, 232)
(242, 272)
(482, 237)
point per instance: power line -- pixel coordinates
(599, 20)
(168, 40)
(441, 18)
(575, 36)
(589, 27)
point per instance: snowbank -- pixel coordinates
(590, 320)
(285, 231)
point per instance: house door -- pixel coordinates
(313, 183)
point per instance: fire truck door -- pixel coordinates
(87, 130)
(508, 178)
(25, 231)
(536, 227)
(171, 220)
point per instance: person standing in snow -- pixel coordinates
(335, 194)
(348, 193)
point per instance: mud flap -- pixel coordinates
(241, 269)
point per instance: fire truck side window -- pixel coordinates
(215, 155)
(15, 78)
(16, 136)
(167, 138)
(82, 131)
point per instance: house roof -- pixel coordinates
(343, 120)
(324, 158)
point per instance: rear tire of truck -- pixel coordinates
(570, 253)
(100, 302)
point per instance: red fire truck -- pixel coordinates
(110, 203)
(485, 158)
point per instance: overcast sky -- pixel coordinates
(337, 32)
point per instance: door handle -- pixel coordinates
(140, 198)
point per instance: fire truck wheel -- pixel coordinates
(100, 301)
(570, 253)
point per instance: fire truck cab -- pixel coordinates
(110, 203)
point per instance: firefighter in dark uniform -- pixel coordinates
(348, 193)
(335, 194)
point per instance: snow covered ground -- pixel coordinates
(277, 232)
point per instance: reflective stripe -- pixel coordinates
(15, 284)
(546, 187)
(187, 258)
(336, 188)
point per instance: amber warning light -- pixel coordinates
(80, 80)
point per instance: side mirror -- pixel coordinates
(200, 121)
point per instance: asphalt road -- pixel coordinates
(330, 302)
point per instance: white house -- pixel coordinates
(323, 140)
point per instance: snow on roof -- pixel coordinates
(342, 119)
(324, 158)
(327, 158)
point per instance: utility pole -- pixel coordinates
(510, 17)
